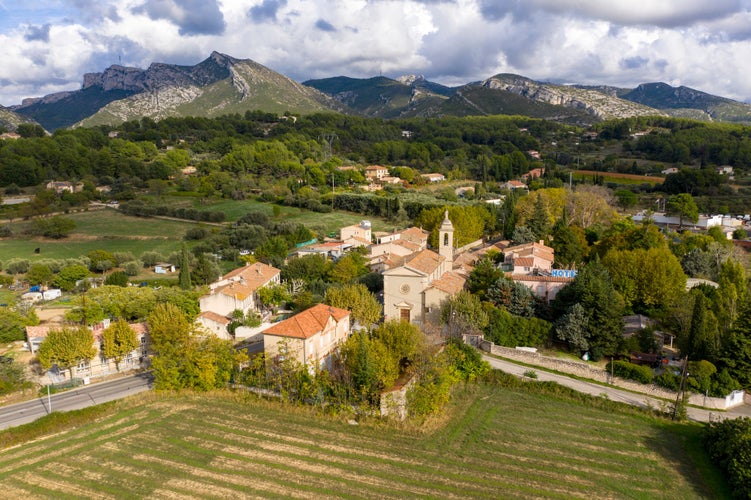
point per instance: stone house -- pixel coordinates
(309, 337)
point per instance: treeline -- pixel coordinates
(250, 143)
(676, 140)
(143, 209)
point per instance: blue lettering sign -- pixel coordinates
(563, 273)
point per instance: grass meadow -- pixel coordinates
(115, 232)
(493, 442)
(101, 230)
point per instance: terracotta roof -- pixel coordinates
(307, 323)
(414, 233)
(524, 262)
(545, 279)
(451, 283)
(409, 245)
(217, 318)
(246, 280)
(425, 262)
(40, 331)
(533, 249)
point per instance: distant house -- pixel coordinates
(511, 185)
(534, 154)
(532, 265)
(309, 337)
(10, 135)
(363, 231)
(60, 187)
(387, 179)
(725, 170)
(533, 174)
(164, 268)
(433, 177)
(376, 172)
(671, 170)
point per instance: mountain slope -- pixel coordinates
(10, 120)
(381, 96)
(601, 105)
(688, 102)
(218, 85)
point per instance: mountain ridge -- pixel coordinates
(223, 84)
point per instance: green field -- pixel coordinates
(493, 442)
(115, 232)
(101, 230)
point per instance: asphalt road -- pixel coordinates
(82, 397)
(612, 392)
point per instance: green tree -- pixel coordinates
(539, 222)
(118, 340)
(463, 314)
(357, 299)
(517, 298)
(39, 274)
(573, 328)
(349, 268)
(272, 296)
(68, 276)
(184, 278)
(593, 289)
(482, 277)
(117, 278)
(684, 206)
(66, 347)
(403, 341)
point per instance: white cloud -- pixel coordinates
(49, 45)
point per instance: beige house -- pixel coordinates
(99, 366)
(358, 232)
(532, 265)
(309, 337)
(237, 290)
(376, 172)
(528, 258)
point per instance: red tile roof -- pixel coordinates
(425, 262)
(451, 283)
(217, 318)
(307, 323)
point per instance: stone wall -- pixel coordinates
(394, 401)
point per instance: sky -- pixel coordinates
(48, 45)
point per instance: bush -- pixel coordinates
(133, 267)
(729, 445)
(668, 380)
(117, 278)
(630, 371)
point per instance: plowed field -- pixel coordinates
(493, 443)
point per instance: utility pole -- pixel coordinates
(679, 397)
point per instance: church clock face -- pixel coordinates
(404, 289)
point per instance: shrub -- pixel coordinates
(630, 371)
(117, 278)
(668, 380)
(729, 445)
(133, 267)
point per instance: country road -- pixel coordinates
(82, 397)
(613, 393)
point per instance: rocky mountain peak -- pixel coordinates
(411, 79)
